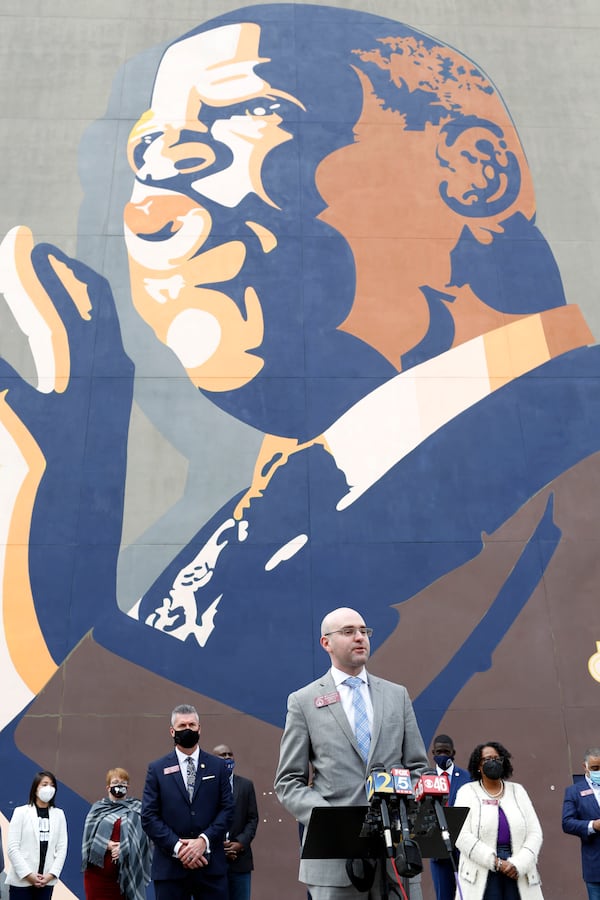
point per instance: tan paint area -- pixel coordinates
(77, 290)
(164, 292)
(26, 645)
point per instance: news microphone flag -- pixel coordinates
(432, 785)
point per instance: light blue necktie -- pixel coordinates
(361, 720)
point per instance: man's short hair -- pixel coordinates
(591, 751)
(443, 739)
(184, 709)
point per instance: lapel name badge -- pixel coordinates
(327, 699)
(170, 770)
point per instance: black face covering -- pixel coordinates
(492, 768)
(186, 738)
(118, 790)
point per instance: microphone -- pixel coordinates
(434, 788)
(430, 784)
(379, 788)
(379, 783)
(408, 855)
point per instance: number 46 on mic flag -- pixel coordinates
(432, 785)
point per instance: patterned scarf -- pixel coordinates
(135, 850)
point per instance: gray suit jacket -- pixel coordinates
(320, 736)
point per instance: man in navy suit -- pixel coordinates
(581, 816)
(187, 808)
(238, 847)
(442, 870)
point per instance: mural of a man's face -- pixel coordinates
(307, 223)
(200, 148)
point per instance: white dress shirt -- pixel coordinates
(345, 692)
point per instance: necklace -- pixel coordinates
(497, 794)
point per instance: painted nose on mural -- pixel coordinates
(167, 155)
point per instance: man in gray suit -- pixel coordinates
(334, 732)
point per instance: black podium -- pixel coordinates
(333, 832)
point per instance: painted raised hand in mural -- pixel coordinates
(63, 444)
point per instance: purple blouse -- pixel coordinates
(503, 827)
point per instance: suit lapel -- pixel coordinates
(375, 689)
(200, 768)
(173, 760)
(337, 710)
(590, 801)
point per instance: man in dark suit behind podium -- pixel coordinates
(187, 808)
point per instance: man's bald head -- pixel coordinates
(339, 618)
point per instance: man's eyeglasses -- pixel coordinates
(349, 631)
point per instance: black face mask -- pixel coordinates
(186, 738)
(118, 790)
(492, 768)
(443, 761)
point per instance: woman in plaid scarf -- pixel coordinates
(115, 851)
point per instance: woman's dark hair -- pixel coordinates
(475, 760)
(36, 783)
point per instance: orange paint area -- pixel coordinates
(43, 305)
(25, 641)
(77, 290)
(528, 343)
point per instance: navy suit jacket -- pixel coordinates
(579, 808)
(459, 777)
(168, 814)
(245, 822)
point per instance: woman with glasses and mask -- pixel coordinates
(37, 842)
(501, 838)
(115, 850)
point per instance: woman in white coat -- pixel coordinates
(501, 838)
(37, 842)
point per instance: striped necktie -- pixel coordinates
(361, 720)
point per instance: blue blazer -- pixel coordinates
(168, 814)
(245, 822)
(442, 870)
(459, 777)
(580, 807)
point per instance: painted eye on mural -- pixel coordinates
(257, 107)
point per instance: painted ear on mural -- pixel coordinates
(483, 177)
(65, 427)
